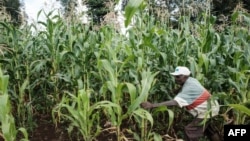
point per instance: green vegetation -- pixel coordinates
(8, 128)
(85, 78)
(99, 8)
(13, 9)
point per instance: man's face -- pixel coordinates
(180, 79)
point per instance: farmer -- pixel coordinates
(195, 98)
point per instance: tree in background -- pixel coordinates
(171, 10)
(13, 8)
(4, 16)
(98, 8)
(160, 9)
(64, 3)
(69, 7)
(124, 3)
(226, 7)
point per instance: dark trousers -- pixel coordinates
(195, 130)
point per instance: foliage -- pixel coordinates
(69, 8)
(87, 77)
(99, 8)
(13, 7)
(82, 114)
(8, 127)
(130, 10)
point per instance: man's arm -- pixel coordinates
(166, 103)
(148, 105)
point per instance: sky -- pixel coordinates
(32, 7)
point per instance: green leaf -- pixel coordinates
(132, 92)
(130, 10)
(144, 114)
(4, 80)
(4, 105)
(25, 134)
(241, 108)
(146, 84)
(157, 137)
(170, 114)
(107, 66)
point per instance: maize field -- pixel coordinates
(87, 84)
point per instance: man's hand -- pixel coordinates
(146, 105)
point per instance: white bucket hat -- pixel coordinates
(180, 70)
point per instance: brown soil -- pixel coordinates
(47, 131)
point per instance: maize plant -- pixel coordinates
(8, 128)
(87, 76)
(81, 114)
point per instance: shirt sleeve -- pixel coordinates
(181, 102)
